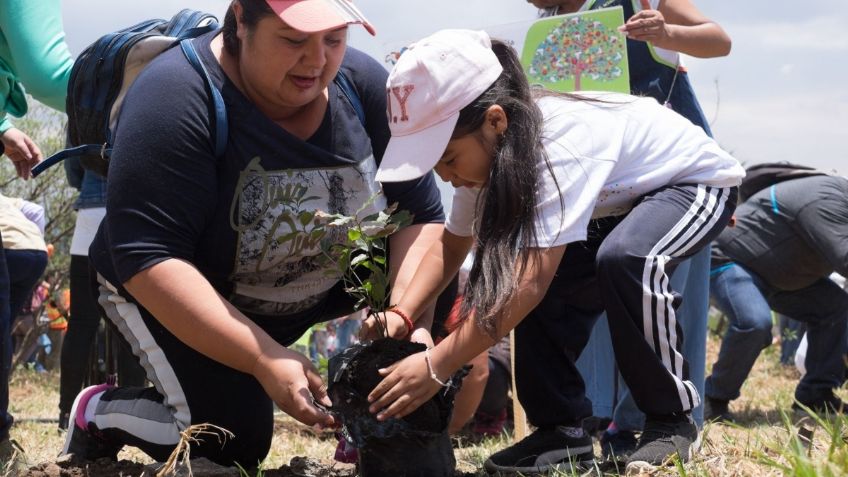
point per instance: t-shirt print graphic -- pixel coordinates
(280, 267)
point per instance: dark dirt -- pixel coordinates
(298, 467)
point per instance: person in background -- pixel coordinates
(24, 259)
(657, 32)
(210, 265)
(35, 60)
(788, 239)
(581, 201)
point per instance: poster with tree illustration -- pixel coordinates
(581, 51)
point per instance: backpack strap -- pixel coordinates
(346, 88)
(217, 100)
(84, 150)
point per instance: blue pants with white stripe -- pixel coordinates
(188, 388)
(622, 268)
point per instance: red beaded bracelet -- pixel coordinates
(406, 320)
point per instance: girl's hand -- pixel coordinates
(294, 384)
(391, 321)
(21, 150)
(646, 25)
(406, 386)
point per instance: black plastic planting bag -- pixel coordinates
(416, 445)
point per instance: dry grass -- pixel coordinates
(763, 444)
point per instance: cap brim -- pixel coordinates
(319, 15)
(411, 156)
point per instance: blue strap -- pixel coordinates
(347, 89)
(218, 100)
(84, 150)
(717, 270)
(774, 207)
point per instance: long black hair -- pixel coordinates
(506, 206)
(251, 12)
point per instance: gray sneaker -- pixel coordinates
(663, 438)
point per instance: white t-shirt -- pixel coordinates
(605, 156)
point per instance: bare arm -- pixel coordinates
(679, 26)
(407, 384)
(181, 298)
(430, 257)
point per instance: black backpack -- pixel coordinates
(761, 176)
(105, 70)
(103, 73)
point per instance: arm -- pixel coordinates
(679, 26)
(824, 226)
(407, 383)
(430, 257)
(36, 37)
(180, 298)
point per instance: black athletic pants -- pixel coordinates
(623, 268)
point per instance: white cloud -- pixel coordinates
(787, 69)
(806, 128)
(824, 33)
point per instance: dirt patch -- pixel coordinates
(298, 467)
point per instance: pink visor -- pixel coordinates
(319, 15)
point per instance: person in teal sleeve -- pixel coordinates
(34, 60)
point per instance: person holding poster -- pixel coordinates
(657, 32)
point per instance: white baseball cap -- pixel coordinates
(430, 83)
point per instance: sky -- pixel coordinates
(780, 95)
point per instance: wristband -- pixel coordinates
(406, 320)
(433, 375)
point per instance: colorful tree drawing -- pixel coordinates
(576, 47)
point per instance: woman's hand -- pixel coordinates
(294, 384)
(646, 25)
(23, 152)
(391, 322)
(406, 386)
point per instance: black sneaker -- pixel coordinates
(827, 405)
(616, 446)
(663, 438)
(84, 440)
(551, 449)
(716, 410)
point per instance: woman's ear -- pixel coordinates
(496, 120)
(237, 13)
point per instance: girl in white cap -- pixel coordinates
(573, 204)
(201, 259)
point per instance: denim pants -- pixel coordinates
(747, 300)
(736, 294)
(607, 390)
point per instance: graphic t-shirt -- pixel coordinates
(605, 154)
(246, 220)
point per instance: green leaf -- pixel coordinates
(353, 235)
(305, 217)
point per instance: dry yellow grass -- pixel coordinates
(743, 450)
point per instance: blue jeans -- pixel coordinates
(823, 306)
(736, 294)
(608, 392)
